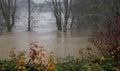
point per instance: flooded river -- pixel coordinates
(62, 44)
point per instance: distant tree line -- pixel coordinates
(8, 14)
(94, 12)
(77, 13)
(69, 14)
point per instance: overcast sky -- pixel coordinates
(39, 1)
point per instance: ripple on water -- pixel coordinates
(62, 44)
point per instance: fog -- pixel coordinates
(39, 1)
(42, 21)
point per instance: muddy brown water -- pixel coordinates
(62, 44)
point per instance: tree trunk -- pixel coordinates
(9, 28)
(59, 25)
(57, 13)
(8, 9)
(29, 15)
(67, 10)
(65, 25)
(72, 21)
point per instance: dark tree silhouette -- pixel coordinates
(8, 9)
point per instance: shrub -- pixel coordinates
(107, 40)
(37, 60)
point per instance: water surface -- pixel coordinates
(62, 44)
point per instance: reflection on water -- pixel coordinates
(61, 43)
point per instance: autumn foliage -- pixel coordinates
(107, 40)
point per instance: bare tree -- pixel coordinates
(67, 9)
(29, 15)
(62, 7)
(31, 10)
(8, 9)
(57, 13)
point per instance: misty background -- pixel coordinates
(84, 15)
(43, 20)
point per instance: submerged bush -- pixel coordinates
(37, 60)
